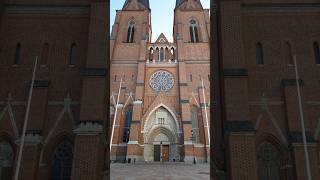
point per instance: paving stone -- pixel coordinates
(160, 171)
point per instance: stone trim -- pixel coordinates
(296, 137)
(97, 72)
(138, 101)
(239, 126)
(183, 84)
(41, 83)
(133, 142)
(184, 101)
(202, 105)
(88, 128)
(291, 82)
(139, 84)
(31, 138)
(236, 72)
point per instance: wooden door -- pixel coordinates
(156, 153)
(165, 153)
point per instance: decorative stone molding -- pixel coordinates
(31, 138)
(88, 128)
(203, 105)
(120, 105)
(184, 101)
(138, 101)
(133, 142)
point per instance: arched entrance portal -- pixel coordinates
(161, 137)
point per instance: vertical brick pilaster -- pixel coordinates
(89, 152)
(89, 139)
(300, 163)
(30, 156)
(291, 104)
(134, 150)
(205, 116)
(242, 157)
(39, 104)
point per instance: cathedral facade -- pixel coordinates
(162, 113)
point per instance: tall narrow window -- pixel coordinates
(195, 126)
(6, 161)
(17, 54)
(126, 129)
(173, 53)
(162, 54)
(190, 77)
(44, 54)
(62, 162)
(288, 53)
(194, 31)
(151, 54)
(130, 34)
(259, 54)
(112, 110)
(316, 52)
(268, 162)
(73, 54)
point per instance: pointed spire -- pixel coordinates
(179, 2)
(143, 2)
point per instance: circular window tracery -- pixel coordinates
(161, 81)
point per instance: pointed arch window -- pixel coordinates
(194, 31)
(259, 54)
(151, 54)
(62, 162)
(6, 160)
(195, 124)
(17, 56)
(161, 54)
(130, 34)
(316, 52)
(44, 54)
(268, 162)
(111, 111)
(288, 53)
(126, 129)
(73, 58)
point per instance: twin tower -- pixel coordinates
(162, 113)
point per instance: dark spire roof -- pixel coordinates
(179, 2)
(144, 2)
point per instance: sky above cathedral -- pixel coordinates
(161, 14)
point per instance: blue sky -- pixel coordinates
(161, 13)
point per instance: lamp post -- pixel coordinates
(192, 140)
(161, 151)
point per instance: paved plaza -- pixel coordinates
(159, 171)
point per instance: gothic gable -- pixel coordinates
(162, 39)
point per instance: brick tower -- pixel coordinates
(162, 111)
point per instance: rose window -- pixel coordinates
(161, 81)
